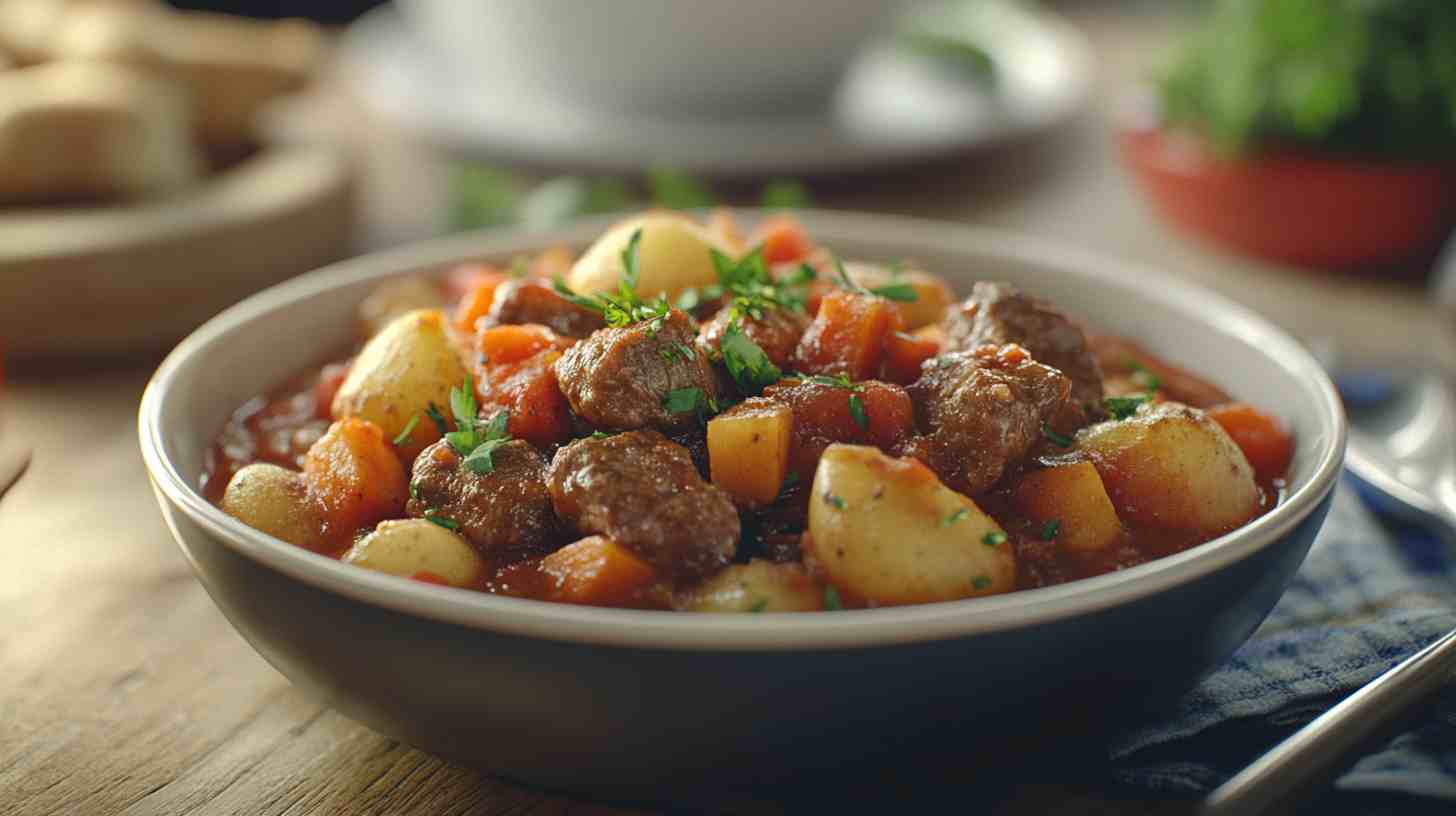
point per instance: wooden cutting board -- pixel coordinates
(138, 277)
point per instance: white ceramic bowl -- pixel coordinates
(664, 56)
(636, 703)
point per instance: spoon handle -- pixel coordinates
(1318, 750)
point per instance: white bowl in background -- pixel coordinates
(665, 56)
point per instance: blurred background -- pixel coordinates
(1295, 154)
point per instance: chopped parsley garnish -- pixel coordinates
(409, 428)
(688, 400)
(472, 439)
(832, 602)
(599, 434)
(625, 307)
(434, 517)
(414, 490)
(896, 291)
(753, 287)
(995, 538)
(835, 381)
(1050, 529)
(1142, 376)
(677, 351)
(981, 582)
(1058, 439)
(758, 606)
(1124, 407)
(834, 501)
(857, 411)
(746, 361)
(956, 517)
(433, 412)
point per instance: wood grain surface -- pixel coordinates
(124, 691)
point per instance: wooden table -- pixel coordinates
(122, 690)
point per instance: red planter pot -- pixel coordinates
(1296, 208)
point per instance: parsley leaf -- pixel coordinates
(1142, 376)
(472, 439)
(995, 538)
(896, 291)
(1124, 407)
(1058, 439)
(981, 582)
(686, 400)
(753, 287)
(1050, 529)
(625, 307)
(434, 517)
(433, 412)
(832, 602)
(857, 412)
(409, 428)
(956, 517)
(746, 361)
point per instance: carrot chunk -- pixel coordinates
(847, 336)
(596, 571)
(1262, 438)
(783, 239)
(355, 476)
(904, 354)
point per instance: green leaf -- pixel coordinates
(785, 194)
(746, 361)
(436, 416)
(409, 428)
(683, 400)
(448, 523)
(631, 270)
(480, 461)
(462, 404)
(956, 517)
(559, 284)
(1050, 529)
(832, 603)
(981, 582)
(995, 538)
(1060, 440)
(676, 190)
(1124, 407)
(857, 412)
(898, 292)
(496, 428)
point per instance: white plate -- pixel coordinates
(892, 108)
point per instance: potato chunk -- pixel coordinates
(673, 256)
(417, 548)
(748, 450)
(1071, 497)
(758, 586)
(273, 500)
(886, 531)
(1171, 466)
(353, 473)
(404, 368)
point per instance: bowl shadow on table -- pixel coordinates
(887, 724)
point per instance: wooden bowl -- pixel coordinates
(1292, 207)
(136, 277)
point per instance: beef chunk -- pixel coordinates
(999, 313)
(643, 491)
(619, 378)
(982, 411)
(534, 301)
(505, 514)
(777, 332)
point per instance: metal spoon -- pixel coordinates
(1401, 444)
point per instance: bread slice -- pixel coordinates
(89, 131)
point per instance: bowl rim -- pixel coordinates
(648, 629)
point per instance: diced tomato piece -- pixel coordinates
(539, 412)
(783, 239)
(847, 336)
(1262, 438)
(904, 354)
